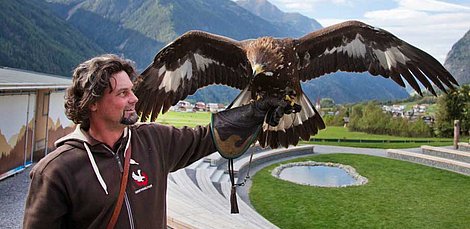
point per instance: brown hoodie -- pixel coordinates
(68, 192)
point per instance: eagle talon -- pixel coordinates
(289, 99)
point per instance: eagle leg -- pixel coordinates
(292, 107)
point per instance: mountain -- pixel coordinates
(295, 24)
(32, 37)
(346, 87)
(458, 60)
(111, 35)
(164, 20)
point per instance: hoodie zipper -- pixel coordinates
(126, 198)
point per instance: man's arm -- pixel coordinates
(185, 145)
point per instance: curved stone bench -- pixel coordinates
(433, 161)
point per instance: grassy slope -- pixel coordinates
(398, 195)
(334, 132)
(180, 119)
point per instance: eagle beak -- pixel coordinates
(257, 69)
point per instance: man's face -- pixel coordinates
(117, 106)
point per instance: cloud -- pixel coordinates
(433, 26)
(431, 5)
(309, 5)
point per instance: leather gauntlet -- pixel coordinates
(234, 130)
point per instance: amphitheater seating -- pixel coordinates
(449, 159)
(199, 195)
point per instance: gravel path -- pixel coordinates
(13, 191)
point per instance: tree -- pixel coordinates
(327, 103)
(453, 106)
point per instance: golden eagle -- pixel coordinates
(274, 67)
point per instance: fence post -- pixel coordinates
(456, 133)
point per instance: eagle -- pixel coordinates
(270, 66)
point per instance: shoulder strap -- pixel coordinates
(122, 190)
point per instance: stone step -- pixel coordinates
(446, 153)
(214, 159)
(246, 211)
(464, 146)
(203, 165)
(215, 177)
(224, 178)
(211, 170)
(195, 164)
(433, 161)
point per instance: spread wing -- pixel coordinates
(357, 47)
(194, 60)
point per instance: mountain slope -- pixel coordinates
(345, 87)
(34, 38)
(164, 20)
(110, 35)
(458, 60)
(295, 24)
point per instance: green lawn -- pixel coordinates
(341, 133)
(399, 195)
(180, 119)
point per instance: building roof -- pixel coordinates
(17, 79)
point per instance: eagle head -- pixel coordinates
(265, 54)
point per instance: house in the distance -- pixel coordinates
(31, 117)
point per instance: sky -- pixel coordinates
(431, 25)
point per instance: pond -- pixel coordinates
(319, 174)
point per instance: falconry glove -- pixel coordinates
(234, 130)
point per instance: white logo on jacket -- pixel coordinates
(141, 179)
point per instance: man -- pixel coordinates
(77, 185)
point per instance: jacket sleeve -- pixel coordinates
(45, 204)
(184, 146)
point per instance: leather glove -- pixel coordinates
(234, 130)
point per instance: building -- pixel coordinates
(200, 106)
(31, 117)
(184, 106)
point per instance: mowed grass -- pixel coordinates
(180, 119)
(341, 133)
(398, 195)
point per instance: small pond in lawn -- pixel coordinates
(319, 174)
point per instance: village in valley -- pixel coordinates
(185, 106)
(411, 112)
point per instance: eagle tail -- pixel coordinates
(293, 127)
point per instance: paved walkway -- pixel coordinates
(13, 190)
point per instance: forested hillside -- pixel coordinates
(32, 37)
(458, 60)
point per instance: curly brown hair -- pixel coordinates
(90, 79)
